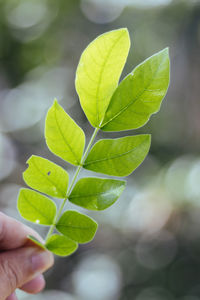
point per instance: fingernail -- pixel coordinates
(41, 261)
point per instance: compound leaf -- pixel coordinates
(63, 136)
(139, 95)
(99, 70)
(77, 226)
(35, 207)
(118, 157)
(61, 245)
(46, 177)
(96, 193)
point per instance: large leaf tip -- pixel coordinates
(162, 55)
(55, 105)
(165, 50)
(165, 54)
(120, 31)
(123, 30)
(55, 101)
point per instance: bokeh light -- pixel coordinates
(154, 293)
(97, 277)
(156, 251)
(7, 156)
(29, 19)
(101, 12)
(30, 100)
(148, 243)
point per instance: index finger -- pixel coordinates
(13, 234)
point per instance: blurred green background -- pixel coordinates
(148, 244)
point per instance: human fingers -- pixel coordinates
(34, 286)
(12, 297)
(19, 266)
(13, 234)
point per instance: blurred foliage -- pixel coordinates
(149, 245)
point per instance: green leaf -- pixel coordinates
(61, 245)
(63, 136)
(99, 70)
(35, 241)
(35, 207)
(77, 226)
(139, 95)
(96, 193)
(46, 177)
(118, 157)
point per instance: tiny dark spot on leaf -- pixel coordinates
(49, 173)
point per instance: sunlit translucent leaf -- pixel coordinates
(99, 70)
(77, 226)
(118, 157)
(35, 241)
(46, 177)
(35, 207)
(63, 136)
(139, 95)
(61, 245)
(96, 193)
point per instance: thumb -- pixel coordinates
(20, 266)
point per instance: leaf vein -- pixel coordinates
(95, 194)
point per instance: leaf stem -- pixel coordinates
(89, 145)
(82, 160)
(51, 229)
(78, 169)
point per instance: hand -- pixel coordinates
(21, 262)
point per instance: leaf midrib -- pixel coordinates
(101, 74)
(113, 157)
(92, 195)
